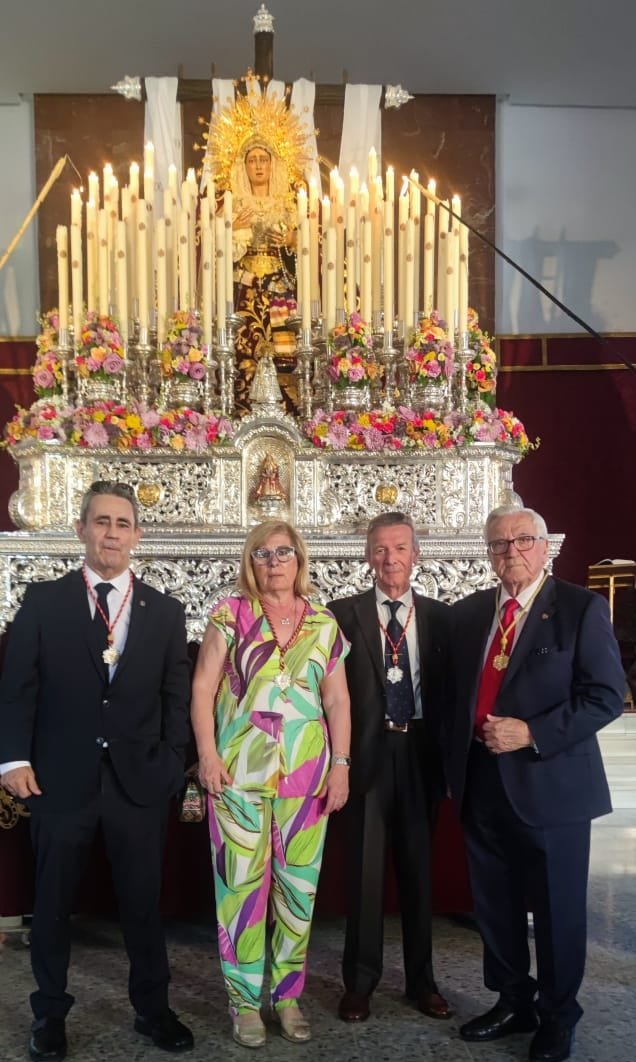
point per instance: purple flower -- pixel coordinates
(182, 367)
(197, 370)
(143, 441)
(433, 369)
(150, 418)
(356, 373)
(196, 439)
(96, 435)
(43, 378)
(92, 364)
(337, 436)
(373, 439)
(113, 364)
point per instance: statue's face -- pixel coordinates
(258, 164)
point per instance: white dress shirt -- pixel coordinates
(384, 615)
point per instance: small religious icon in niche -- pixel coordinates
(269, 486)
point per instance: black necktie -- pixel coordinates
(400, 702)
(102, 590)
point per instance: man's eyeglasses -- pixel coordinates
(265, 556)
(523, 543)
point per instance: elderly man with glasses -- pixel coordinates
(93, 729)
(537, 673)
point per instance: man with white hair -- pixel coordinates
(538, 673)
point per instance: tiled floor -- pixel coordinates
(99, 1026)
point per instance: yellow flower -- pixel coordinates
(195, 355)
(99, 416)
(364, 420)
(133, 421)
(177, 443)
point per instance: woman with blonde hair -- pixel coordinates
(270, 713)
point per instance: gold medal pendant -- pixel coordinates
(500, 662)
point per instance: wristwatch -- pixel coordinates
(340, 761)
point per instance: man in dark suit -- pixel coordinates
(538, 673)
(93, 727)
(396, 673)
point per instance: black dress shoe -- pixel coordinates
(500, 1020)
(166, 1032)
(354, 1007)
(551, 1042)
(48, 1039)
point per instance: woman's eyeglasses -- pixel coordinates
(266, 556)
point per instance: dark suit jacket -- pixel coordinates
(55, 700)
(565, 680)
(358, 619)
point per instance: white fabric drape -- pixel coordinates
(303, 98)
(162, 126)
(361, 128)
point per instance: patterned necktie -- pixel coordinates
(491, 677)
(400, 702)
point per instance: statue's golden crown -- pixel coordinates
(256, 120)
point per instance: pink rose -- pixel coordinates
(43, 378)
(113, 364)
(197, 370)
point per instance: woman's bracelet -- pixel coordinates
(340, 760)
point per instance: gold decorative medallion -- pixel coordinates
(149, 494)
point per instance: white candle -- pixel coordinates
(133, 182)
(354, 184)
(463, 297)
(76, 207)
(93, 189)
(172, 181)
(172, 265)
(430, 201)
(429, 263)
(352, 280)
(326, 214)
(121, 279)
(372, 166)
(313, 239)
(452, 255)
(403, 213)
(91, 255)
(389, 185)
(102, 262)
(219, 228)
(77, 280)
(377, 225)
(305, 271)
(301, 206)
(142, 263)
(228, 257)
(162, 279)
(185, 295)
(388, 266)
(366, 286)
(149, 172)
(409, 271)
(206, 282)
(415, 211)
(330, 312)
(339, 221)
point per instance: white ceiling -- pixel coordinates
(548, 52)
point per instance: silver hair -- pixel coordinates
(540, 525)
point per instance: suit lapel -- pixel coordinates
(543, 604)
(423, 630)
(366, 612)
(136, 627)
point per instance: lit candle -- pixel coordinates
(352, 282)
(330, 311)
(102, 262)
(142, 263)
(354, 184)
(91, 255)
(121, 279)
(172, 265)
(389, 185)
(452, 254)
(403, 213)
(133, 182)
(409, 271)
(206, 282)
(430, 201)
(326, 213)
(313, 239)
(149, 171)
(228, 257)
(372, 166)
(61, 239)
(463, 298)
(219, 228)
(172, 181)
(305, 271)
(77, 280)
(388, 266)
(442, 258)
(415, 211)
(93, 189)
(377, 225)
(366, 285)
(429, 263)
(301, 206)
(76, 207)
(339, 221)
(185, 298)
(162, 279)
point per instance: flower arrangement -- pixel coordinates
(352, 364)
(45, 421)
(430, 353)
(123, 427)
(181, 355)
(393, 430)
(101, 352)
(481, 370)
(47, 369)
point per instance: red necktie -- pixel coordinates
(491, 678)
